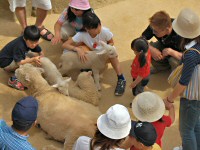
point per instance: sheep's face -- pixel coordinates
(26, 72)
(63, 86)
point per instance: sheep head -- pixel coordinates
(85, 80)
(63, 86)
(25, 73)
(108, 49)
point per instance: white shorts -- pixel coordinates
(43, 4)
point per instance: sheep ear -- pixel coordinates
(69, 79)
(55, 86)
(101, 52)
(89, 73)
(103, 44)
(27, 78)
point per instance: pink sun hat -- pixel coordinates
(80, 4)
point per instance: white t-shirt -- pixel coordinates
(93, 43)
(83, 143)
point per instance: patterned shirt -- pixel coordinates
(11, 140)
(77, 23)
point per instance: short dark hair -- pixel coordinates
(32, 33)
(90, 20)
(22, 126)
(103, 142)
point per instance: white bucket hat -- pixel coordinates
(187, 24)
(148, 106)
(116, 123)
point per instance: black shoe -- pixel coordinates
(120, 88)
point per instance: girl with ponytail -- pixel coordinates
(140, 68)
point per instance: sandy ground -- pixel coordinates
(126, 19)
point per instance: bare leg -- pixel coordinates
(116, 66)
(40, 16)
(21, 16)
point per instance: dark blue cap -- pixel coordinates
(144, 132)
(25, 110)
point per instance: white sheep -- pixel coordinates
(95, 61)
(62, 117)
(51, 73)
(83, 89)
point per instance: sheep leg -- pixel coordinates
(96, 78)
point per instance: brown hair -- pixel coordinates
(160, 19)
(185, 41)
(103, 142)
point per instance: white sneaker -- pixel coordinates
(178, 148)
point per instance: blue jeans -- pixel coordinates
(190, 124)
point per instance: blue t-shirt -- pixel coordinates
(11, 140)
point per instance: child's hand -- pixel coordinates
(81, 53)
(167, 52)
(56, 39)
(132, 85)
(168, 105)
(36, 60)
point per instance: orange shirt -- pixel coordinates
(144, 71)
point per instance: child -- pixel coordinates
(149, 107)
(70, 21)
(112, 129)
(140, 68)
(14, 53)
(24, 115)
(142, 136)
(92, 39)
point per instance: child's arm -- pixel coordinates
(110, 42)
(57, 38)
(71, 45)
(137, 80)
(171, 112)
(35, 59)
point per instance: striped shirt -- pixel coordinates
(190, 60)
(11, 140)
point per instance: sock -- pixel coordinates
(121, 77)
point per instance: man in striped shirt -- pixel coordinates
(24, 116)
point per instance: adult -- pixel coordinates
(187, 25)
(142, 137)
(165, 51)
(19, 7)
(24, 116)
(112, 128)
(70, 20)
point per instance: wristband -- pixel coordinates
(169, 100)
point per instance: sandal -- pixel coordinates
(45, 36)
